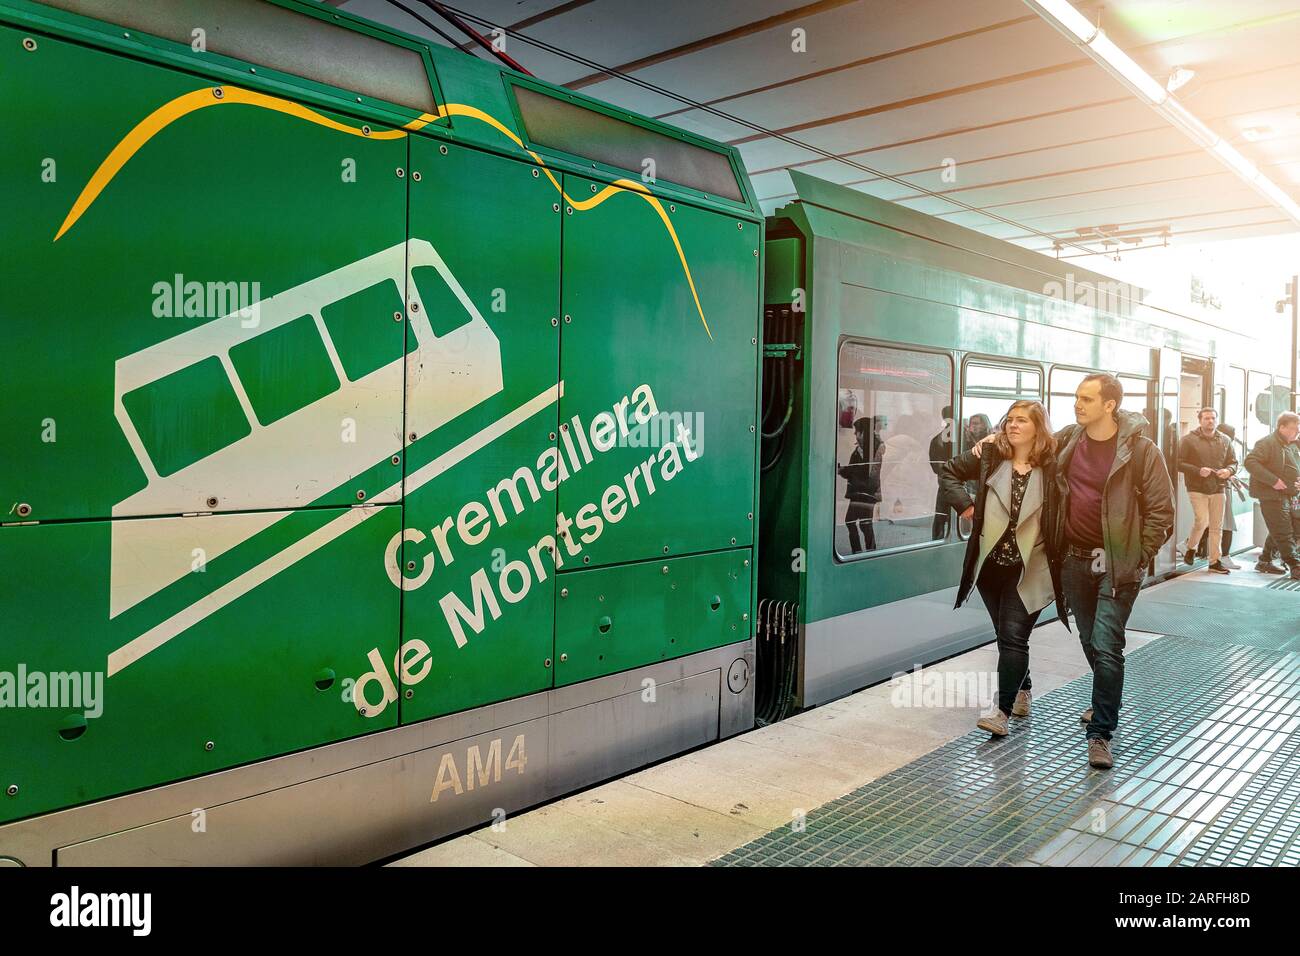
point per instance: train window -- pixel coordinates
(890, 431)
(987, 393)
(187, 415)
(1062, 383)
(352, 322)
(1139, 396)
(273, 36)
(581, 131)
(1232, 413)
(263, 364)
(1259, 418)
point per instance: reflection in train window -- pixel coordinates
(284, 369)
(362, 329)
(890, 431)
(187, 415)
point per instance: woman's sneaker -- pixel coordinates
(995, 723)
(1230, 564)
(1021, 707)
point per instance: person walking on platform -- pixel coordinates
(1274, 467)
(1010, 554)
(1206, 460)
(1116, 511)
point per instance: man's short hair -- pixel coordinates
(1212, 411)
(1111, 389)
(1287, 418)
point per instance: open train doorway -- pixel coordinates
(1195, 391)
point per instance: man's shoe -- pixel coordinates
(1086, 716)
(1099, 753)
(1189, 557)
(1295, 572)
(1268, 567)
(995, 723)
(1021, 707)
(1230, 564)
(1217, 568)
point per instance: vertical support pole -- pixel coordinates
(1295, 338)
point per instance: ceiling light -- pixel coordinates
(1242, 166)
(1123, 67)
(1180, 77)
(1062, 15)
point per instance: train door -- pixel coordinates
(481, 465)
(1166, 559)
(1195, 384)
(659, 362)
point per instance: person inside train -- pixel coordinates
(1117, 511)
(1233, 485)
(1274, 466)
(862, 475)
(940, 452)
(1206, 460)
(1010, 555)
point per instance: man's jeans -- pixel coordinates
(1100, 617)
(1282, 518)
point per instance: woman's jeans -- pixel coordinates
(1012, 624)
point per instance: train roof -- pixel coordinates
(336, 60)
(962, 249)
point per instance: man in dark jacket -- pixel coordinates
(1116, 511)
(1274, 467)
(1206, 460)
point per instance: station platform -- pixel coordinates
(1206, 769)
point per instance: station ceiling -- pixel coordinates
(976, 100)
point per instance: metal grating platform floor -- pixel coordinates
(1206, 769)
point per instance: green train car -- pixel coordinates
(925, 332)
(381, 441)
(396, 441)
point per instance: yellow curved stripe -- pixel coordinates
(182, 106)
(187, 103)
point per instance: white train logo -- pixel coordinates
(316, 448)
